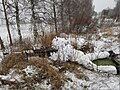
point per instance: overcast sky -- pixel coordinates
(103, 4)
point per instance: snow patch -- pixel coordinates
(30, 71)
(12, 76)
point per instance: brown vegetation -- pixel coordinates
(13, 61)
(46, 39)
(25, 45)
(107, 31)
(46, 72)
(44, 69)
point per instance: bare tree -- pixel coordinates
(62, 14)
(117, 10)
(34, 20)
(18, 20)
(55, 17)
(7, 22)
(76, 13)
(2, 47)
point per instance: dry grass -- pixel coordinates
(67, 66)
(45, 71)
(107, 31)
(46, 40)
(25, 45)
(73, 67)
(13, 61)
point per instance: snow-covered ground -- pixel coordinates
(96, 81)
(89, 81)
(66, 51)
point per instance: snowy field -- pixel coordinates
(26, 31)
(96, 81)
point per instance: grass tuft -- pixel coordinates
(13, 61)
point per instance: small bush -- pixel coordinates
(13, 61)
(46, 40)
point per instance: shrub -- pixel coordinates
(46, 40)
(13, 61)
